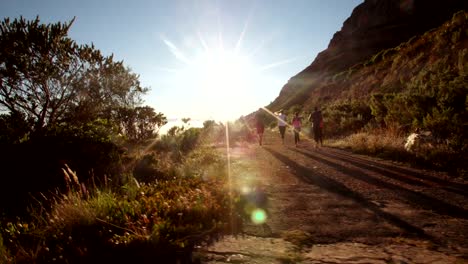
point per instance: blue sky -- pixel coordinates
(202, 59)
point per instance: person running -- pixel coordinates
(317, 123)
(282, 124)
(260, 125)
(296, 122)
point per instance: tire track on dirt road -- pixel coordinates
(328, 202)
(324, 182)
(408, 175)
(379, 179)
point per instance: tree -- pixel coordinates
(13, 127)
(186, 120)
(38, 66)
(148, 122)
(105, 89)
(209, 124)
(50, 79)
(139, 123)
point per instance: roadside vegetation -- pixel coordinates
(86, 177)
(161, 209)
(421, 85)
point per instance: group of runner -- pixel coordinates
(315, 118)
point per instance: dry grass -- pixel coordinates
(390, 144)
(377, 142)
(168, 217)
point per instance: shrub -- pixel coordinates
(344, 118)
(378, 142)
(158, 221)
(4, 254)
(389, 144)
(35, 165)
(152, 167)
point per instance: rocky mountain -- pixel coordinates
(373, 26)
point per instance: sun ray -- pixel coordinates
(223, 74)
(220, 32)
(159, 68)
(275, 64)
(241, 37)
(228, 161)
(287, 124)
(176, 51)
(257, 48)
(202, 41)
(249, 127)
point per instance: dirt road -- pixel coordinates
(325, 205)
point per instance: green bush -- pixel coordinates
(35, 165)
(178, 139)
(438, 106)
(344, 118)
(4, 254)
(152, 167)
(164, 220)
(14, 128)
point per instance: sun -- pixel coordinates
(222, 70)
(224, 79)
(217, 80)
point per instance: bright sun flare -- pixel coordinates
(222, 70)
(223, 79)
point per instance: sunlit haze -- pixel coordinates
(201, 59)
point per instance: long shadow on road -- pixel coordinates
(391, 171)
(416, 198)
(315, 178)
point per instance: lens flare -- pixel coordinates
(245, 189)
(258, 216)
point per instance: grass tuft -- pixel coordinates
(390, 144)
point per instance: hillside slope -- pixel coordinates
(440, 55)
(375, 25)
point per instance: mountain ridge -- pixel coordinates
(373, 26)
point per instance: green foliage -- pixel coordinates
(178, 140)
(13, 128)
(37, 63)
(145, 221)
(186, 120)
(206, 163)
(67, 106)
(64, 104)
(378, 109)
(345, 117)
(183, 155)
(439, 106)
(153, 167)
(4, 254)
(189, 139)
(50, 79)
(139, 123)
(240, 131)
(398, 108)
(295, 109)
(462, 65)
(104, 90)
(34, 165)
(175, 205)
(208, 124)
